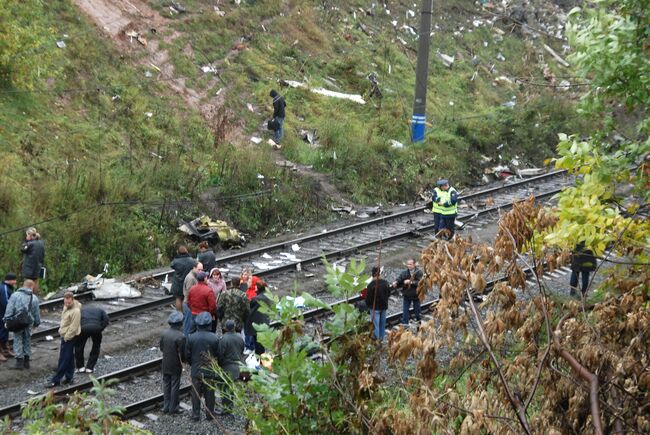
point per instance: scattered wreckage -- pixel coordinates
(204, 228)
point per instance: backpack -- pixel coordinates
(272, 125)
(21, 320)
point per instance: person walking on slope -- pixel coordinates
(202, 346)
(69, 329)
(408, 280)
(24, 300)
(172, 346)
(445, 207)
(33, 250)
(6, 290)
(231, 355)
(278, 114)
(377, 294)
(93, 322)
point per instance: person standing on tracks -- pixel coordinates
(257, 316)
(202, 346)
(279, 106)
(189, 282)
(445, 207)
(69, 330)
(172, 346)
(231, 356)
(218, 285)
(583, 262)
(201, 298)
(233, 304)
(408, 280)
(182, 265)
(6, 290)
(248, 283)
(33, 250)
(93, 322)
(206, 256)
(377, 294)
(24, 300)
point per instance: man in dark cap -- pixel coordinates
(202, 347)
(278, 115)
(6, 289)
(445, 207)
(231, 354)
(172, 345)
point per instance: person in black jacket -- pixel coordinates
(33, 250)
(582, 262)
(377, 294)
(257, 316)
(172, 345)
(202, 346)
(93, 322)
(182, 265)
(6, 289)
(231, 354)
(408, 280)
(206, 256)
(278, 114)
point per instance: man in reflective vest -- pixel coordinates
(445, 207)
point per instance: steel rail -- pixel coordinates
(292, 265)
(358, 225)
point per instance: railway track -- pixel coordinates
(359, 238)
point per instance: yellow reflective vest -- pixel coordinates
(443, 197)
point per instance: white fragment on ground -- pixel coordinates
(295, 247)
(447, 60)
(185, 406)
(110, 289)
(260, 176)
(136, 424)
(256, 140)
(289, 257)
(396, 144)
(250, 107)
(209, 69)
(152, 417)
(267, 256)
(60, 44)
(32, 392)
(321, 91)
(261, 266)
(148, 114)
(49, 338)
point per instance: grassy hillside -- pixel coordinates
(116, 157)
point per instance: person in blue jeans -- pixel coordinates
(408, 281)
(278, 114)
(377, 294)
(69, 330)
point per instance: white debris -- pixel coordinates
(298, 302)
(49, 338)
(477, 23)
(514, 162)
(250, 107)
(261, 266)
(396, 144)
(352, 97)
(153, 349)
(501, 57)
(111, 289)
(530, 172)
(260, 176)
(108, 357)
(148, 74)
(152, 417)
(295, 247)
(267, 256)
(148, 114)
(256, 140)
(410, 13)
(394, 23)
(564, 85)
(32, 392)
(60, 44)
(447, 60)
(209, 69)
(289, 257)
(409, 29)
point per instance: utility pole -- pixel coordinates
(422, 73)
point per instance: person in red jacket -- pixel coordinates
(248, 283)
(201, 297)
